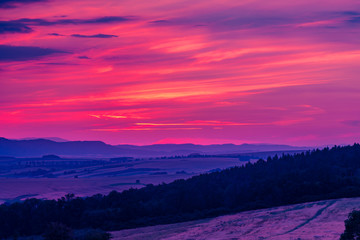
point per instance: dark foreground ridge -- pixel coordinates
(311, 176)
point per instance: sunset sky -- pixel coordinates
(176, 71)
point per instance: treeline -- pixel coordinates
(316, 175)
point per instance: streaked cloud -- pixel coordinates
(24, 25)
(83, 57)
(353, 123)
(17, 3)
(66, 21)
(100, 35)
(13, 27)
(25, 53)
(55, 34)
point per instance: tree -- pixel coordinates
(92, 234)
(352, 227)
(58, 231)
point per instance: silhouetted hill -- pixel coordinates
(55, 139)
(214, 149)
(39, 147)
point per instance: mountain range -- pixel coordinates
(38, 147)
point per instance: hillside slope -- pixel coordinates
(314, 220)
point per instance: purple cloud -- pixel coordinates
(13, 27)
(24, 53)
(94, 36)
(16, 3)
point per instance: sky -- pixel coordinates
(180, 71)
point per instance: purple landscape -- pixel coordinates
(171, 120)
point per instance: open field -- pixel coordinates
(52, 179)
(307, 221)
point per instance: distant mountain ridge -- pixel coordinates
(39, 147)
(55, 139)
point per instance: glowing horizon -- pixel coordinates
(174, 72)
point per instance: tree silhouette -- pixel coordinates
(58, 231)
(352, 227)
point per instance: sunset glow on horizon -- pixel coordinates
(142, 72)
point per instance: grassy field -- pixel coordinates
(323, 220)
